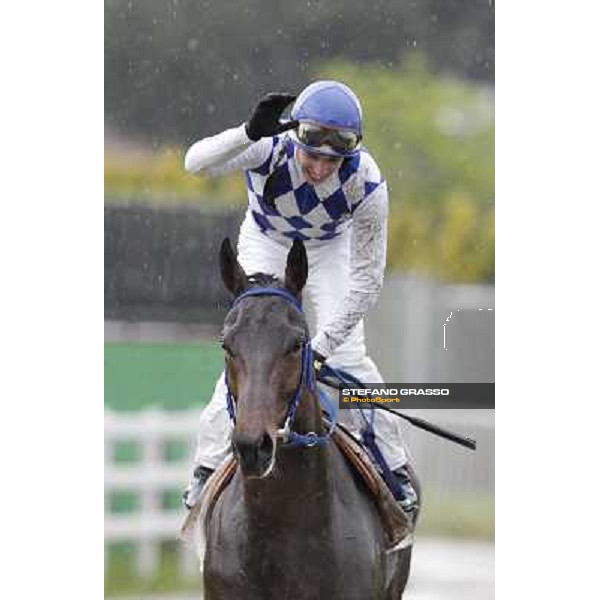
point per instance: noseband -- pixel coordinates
(307, 379)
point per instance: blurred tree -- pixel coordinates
(433, 137)
(176, 70)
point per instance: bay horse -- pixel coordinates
(295, 522)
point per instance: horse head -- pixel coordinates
(265, 338)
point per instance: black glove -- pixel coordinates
(264, 121)
(318, 360)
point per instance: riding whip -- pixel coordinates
(337, 382)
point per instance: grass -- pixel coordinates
(120, 578)
(459, 516)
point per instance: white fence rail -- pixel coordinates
(443, 468)
(150, 478)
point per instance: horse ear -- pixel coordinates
(296, 270)
(233, 275)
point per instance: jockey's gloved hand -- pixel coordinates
(318, 360)
(264, 121)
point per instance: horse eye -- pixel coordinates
(297, 347)
(228, 352)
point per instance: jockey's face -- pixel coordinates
(317, 167)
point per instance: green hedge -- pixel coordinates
(169, 376)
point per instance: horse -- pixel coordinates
(295, 521)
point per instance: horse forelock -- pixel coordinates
(270, 310)
(264, 280)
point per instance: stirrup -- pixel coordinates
(410, 501)
(409, 505)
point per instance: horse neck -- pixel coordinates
(300, 476)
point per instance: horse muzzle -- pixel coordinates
(256, 453)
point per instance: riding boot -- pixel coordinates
(409, 500)
(192, 493)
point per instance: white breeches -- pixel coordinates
(328, 277)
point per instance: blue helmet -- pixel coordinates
(333, 106)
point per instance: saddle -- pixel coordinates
(396, 524)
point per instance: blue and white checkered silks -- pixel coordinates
(302, 211)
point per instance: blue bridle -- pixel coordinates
(307, 379)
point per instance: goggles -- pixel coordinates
(343, 142)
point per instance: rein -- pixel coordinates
(307, 379)
(337, 379)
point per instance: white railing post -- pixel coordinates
(149, 546)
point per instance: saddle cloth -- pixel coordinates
(396, 524)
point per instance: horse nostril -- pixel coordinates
(265, 448)
(255, 452)
(244, 444)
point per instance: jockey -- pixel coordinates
(310, 179)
